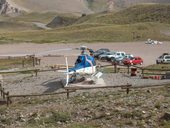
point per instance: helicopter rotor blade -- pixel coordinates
(67, 77)
(52, 51)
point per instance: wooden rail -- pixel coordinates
(43, 94)
(127, 87)
(21, 71)
(32, 70)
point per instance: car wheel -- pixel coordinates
(102, 58)
(108, 59)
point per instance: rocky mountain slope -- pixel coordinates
(61, 6)
(71, 6)
(7, 9)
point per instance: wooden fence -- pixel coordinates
(8, 98)
(127, 87)
(142, 70)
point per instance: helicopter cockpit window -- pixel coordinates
(79, 60)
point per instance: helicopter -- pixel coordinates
(84, 65)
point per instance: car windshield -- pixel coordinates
(105, 53)
(167, 57)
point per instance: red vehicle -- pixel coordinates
(133, 61)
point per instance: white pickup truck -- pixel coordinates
(164, 59)
(116, 55)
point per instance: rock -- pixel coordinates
(58, 122)
(166, 116)
(149, 91)
(143, 112)
(21, 118)
(107, 114)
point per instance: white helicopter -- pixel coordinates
(84, 65)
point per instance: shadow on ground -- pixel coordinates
(52, 85)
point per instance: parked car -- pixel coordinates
(104, 55)
(116, 55)
(128, 56)
(100, 51)
(163, 59)
(117, 60)
(120, 59)
(133, 61)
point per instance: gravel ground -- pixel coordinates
(123, 79)
(47, 82)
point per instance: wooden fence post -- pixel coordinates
(127, 90)
(3, 94)
(128, 69)
(36, 73)
(67, 93)
(115, 68)
(23, 63)
(7, 99)
(1, 89)
(142, 72)
(33, 60)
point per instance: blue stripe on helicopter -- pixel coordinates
(82, 62)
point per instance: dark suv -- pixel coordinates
(100, 51)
